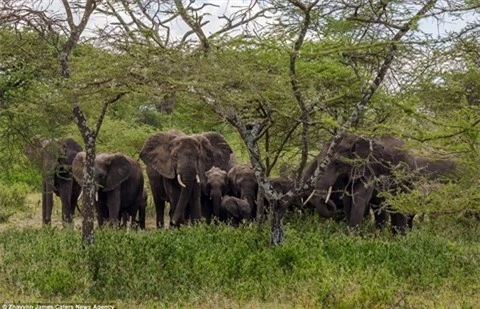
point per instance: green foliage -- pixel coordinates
(12, 199)
(318, 265)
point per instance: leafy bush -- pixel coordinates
(318, 265)
(12, 198)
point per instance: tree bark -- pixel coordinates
(89, 193)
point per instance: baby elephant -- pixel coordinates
(235, 209)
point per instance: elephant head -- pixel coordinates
(356, 157)
(216, 187)
(243, 183)
(111, 170)
(175, 155)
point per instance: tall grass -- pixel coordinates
(319, 265)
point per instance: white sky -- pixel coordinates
(226, 7)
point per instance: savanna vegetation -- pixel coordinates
(280, 80)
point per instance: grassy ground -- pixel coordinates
(436, 266)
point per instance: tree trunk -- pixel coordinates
(89, 193)
(277, 234)
(260, 209)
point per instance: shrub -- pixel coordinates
(12, 198)
(318, 265)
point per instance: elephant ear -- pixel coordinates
(34, 152)
(70, 149)
(44, 153)
(206, 160)
(362, 147)
(77, 167)
(223, 156)
(156, 152)
(119, 171)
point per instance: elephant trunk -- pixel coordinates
(47, 199)
(216, 196)
(325, 209)
(180, 207)
(250, 197)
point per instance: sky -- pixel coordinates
(226, 7)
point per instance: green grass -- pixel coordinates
(319, 265)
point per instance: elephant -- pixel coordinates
(283, 185)
(235, 209)
(176, 168)
(362, 167)
(54, 157)
(243, 184)
(120, 185)
(125, 216)
(315, 201)
(216, 187)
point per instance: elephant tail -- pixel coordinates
(141, 217)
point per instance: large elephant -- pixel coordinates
(176, 167)
(54, 157)
(216, 187)
(360, 165)
(120, 185)
(243, 184)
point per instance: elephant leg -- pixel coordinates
(142, 215)
(207, 207)
(102, 211)
(160, 210)
(360, 199)
(399, 223)
(65, 193)
(381, 217)
(47, 200)
(113, 205)
(410, 221)
(124, 219)
(347, 207)
(76, 191)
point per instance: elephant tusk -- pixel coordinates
(96, 196)
(179, 179)
(80, 195)
(197, 178)
(309, 198)
(328, 194)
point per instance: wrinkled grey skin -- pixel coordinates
(172, 155)
(357, 165)
(315, 199)
(120, 185)
(283, 185)
(243, 184)
(235, 210)
(134, 222)
(54, 159)
(216, 187)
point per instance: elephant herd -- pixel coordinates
(198, 175)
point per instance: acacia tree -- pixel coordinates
(63, 30)
(369, 36)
